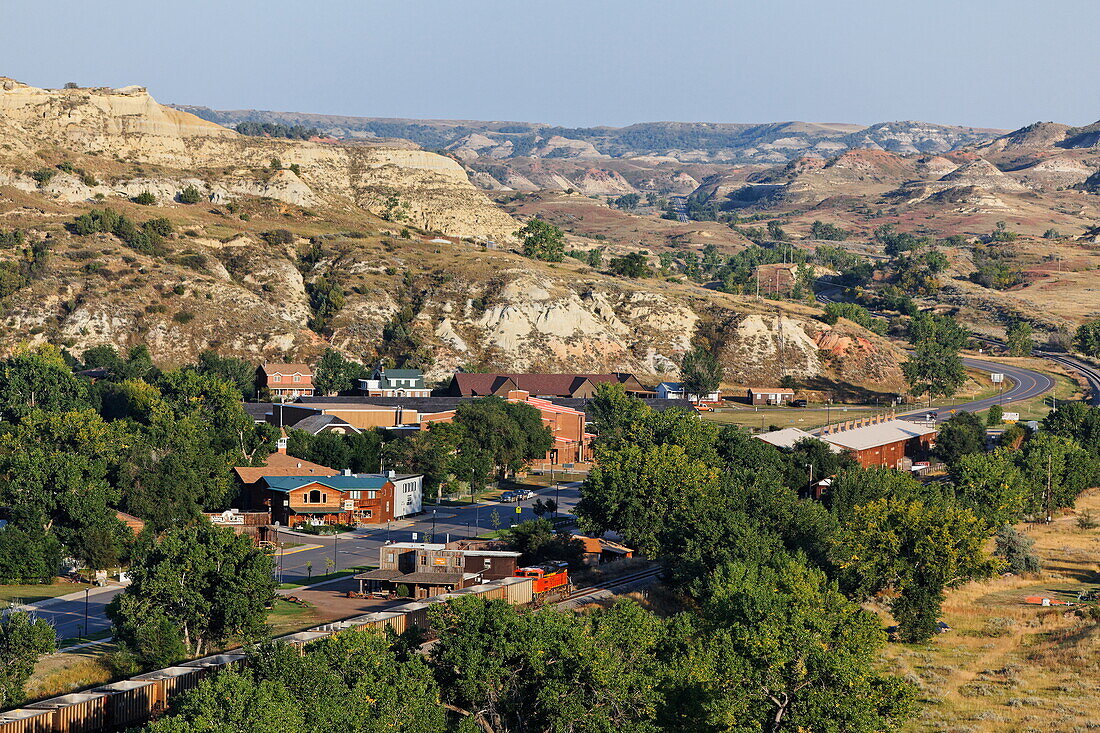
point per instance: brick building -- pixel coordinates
(285, 381)
(882, 441)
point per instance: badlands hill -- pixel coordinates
(685, 142)
(379, 250)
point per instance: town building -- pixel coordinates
(468, 384)
(427, 569)
(676, 391)
(341, 499)
(882, 441)
(394, 383)
(789, 437)
(571, 442)
(769, 395)
(285, 381)
(598, 550)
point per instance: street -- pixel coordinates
(450, 523)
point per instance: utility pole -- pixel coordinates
(335, 561)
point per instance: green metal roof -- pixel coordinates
(340, 483)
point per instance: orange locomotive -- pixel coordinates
(550, 581)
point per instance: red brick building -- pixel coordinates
(285, 381)
(882, 441)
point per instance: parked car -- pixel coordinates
(509, 496)
(799, 403)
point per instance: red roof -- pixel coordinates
(556, 385)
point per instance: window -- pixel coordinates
(276, 377)
(297, 377)
(354, 494)
(315, 497)
(389, 557)
(372, 494)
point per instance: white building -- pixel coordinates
(675, 391)
(408, 495)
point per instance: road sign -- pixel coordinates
(519, 510)
(997, 377)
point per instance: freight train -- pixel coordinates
(550, 581)
(129, 703)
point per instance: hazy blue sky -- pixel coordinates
(996, 63)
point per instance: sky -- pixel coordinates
(983, 63)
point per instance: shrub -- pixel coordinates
(145, 198)
(190, 195)
(1017, 550)
(43, 175)
(183, 317)
(278, 236)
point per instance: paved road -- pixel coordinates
(679, 205)
(451, 523)
(1025, 385)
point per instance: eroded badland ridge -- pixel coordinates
(378, 249)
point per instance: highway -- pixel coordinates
(1025, 385)
(352, 549)
(679, 205)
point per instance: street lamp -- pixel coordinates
(335, 561)
(86, 611)
(433, 525)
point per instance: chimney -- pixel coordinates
(346, 472)
(280, 445)
(391, 474)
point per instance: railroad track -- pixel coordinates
(613, 583)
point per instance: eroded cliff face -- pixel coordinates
(116, 127)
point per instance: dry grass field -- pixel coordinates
(1011, 666)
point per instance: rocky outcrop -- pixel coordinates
(431, 191)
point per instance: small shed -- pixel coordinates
(769, 395)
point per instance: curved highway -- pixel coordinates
(1026, 384)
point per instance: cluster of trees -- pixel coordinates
(23, 639)
(147, 238)
(993, 269)
(822, 230)
(627, 201)
(158, 445)
(275, 129)
(855, 313)
(774, 649)
(703, 499)
(18, 272)
(1087, 338)
(193, 589)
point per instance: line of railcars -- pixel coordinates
(133, 702)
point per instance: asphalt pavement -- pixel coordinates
(1023, 384)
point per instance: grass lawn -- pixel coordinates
(37, 592)
(1007, 665)
(327, 576)
(287, 618)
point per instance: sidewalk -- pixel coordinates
(77, 596)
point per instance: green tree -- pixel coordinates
(236, 372)
(538, 543)
(776, 232)
(915, 551)
(1087, 338)
(511, 670)
(39, 379)
(334, 373)
(633, 265)
(995, 417)
(782, 649)
(23, 639)
(498, 433)
(145, 198)
(190, 195)
(628, 201)
(192, 589)
(991, 485)
(1056, 470)
(542, 241)
(700, 372)
(934, 366)
(326, 298)
(962, 434)
(1020, 339)
(1017, 550)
